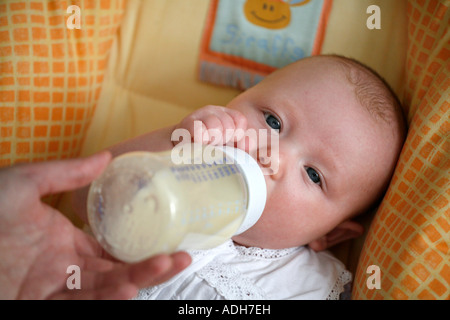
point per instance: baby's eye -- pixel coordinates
(272, 121)
(314, 176)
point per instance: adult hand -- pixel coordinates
(38, 243)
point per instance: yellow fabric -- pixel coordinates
(409, 239)
(51, 75)
(151, 79)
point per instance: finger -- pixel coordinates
(97, 264)
(65, 175)
(221, 123)
(247, 142)
(206, 125)
(227, 125)
(125, 281)
(95, 258)
(214, 129)
(231, 121)
(195, 127)
(86, 245)
(114, 292)
(158, 269)
(240, 120)
(239, 125)
(150, 272)
(199, 132)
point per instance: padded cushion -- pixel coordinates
(245, 40)
(51, 76)
(409, 239)
(151, 78)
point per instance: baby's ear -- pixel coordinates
(345, 231)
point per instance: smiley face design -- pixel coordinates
(270, 14)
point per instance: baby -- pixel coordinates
(339, 130)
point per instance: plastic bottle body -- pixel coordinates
(144, 204)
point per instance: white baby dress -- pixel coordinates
(232, 272)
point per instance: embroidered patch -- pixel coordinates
(245, 40)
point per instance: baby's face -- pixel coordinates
(334, 158)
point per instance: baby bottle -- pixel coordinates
(191, 197)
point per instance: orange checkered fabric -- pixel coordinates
(51, 75)
(409, 240)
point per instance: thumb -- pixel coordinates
(65, 175)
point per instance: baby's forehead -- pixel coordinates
(306, 79)
(331, 72)
(321, 74)
(336, 68)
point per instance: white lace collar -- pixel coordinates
(321, 279)
(251, 252)
(231, 271)
(263, 253)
